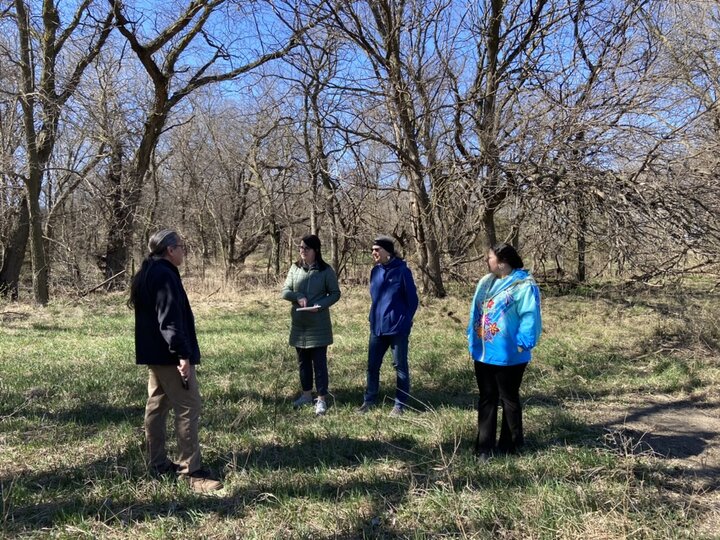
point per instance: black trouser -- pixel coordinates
(499, 383)
(309, 360)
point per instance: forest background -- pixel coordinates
(584, 132)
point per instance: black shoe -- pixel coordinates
(365, 407)
(514, 451)
(169, 469)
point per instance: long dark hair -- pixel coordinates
(507, 254)
(157, 246)
(313, 242)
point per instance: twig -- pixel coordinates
(213, 293)
(96, 287)
(11, 313)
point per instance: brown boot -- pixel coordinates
(201, 481)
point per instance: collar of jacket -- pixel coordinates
(513, 278)
(164, 262)
(392, 263)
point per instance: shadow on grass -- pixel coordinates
(330, 451)
(101, 414)
(70, 494)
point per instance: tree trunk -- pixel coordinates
(41, 292)
(514, 239)
(275, 238)
(581, 240)
(120, 231)
(14, 252)
(333, 211)
(488, 219)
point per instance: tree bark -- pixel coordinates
(14, 252)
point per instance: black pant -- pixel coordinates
(309, 360)
(499, 383)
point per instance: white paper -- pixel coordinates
(308, 308)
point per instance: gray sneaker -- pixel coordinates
(396, 412)
(302, 401)
(320, 407)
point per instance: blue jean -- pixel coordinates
(309, 360)
(377, 348)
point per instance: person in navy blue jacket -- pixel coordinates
(166, 341)
(394, 302)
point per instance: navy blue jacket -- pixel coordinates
(394, 298)
(164, 322)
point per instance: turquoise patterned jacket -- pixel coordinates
(505, 320)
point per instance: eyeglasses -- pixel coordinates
(376, 249)
(183, 247)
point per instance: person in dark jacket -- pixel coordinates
(312, 287)
(166, 341)
(394, 301)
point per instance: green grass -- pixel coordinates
(72, 400)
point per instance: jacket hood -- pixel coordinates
(519, 273)
(393, 263)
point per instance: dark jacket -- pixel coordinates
(164, 322)
(394, 298)
(319, 287)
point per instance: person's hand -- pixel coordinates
(520, 349)
(302, 302)
(184, 368)
(317, 308)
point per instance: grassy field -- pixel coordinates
(72, 400)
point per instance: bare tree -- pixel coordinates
(602, 77)
(391, 35)
(179, 58)
(44, 92)
(209, 165)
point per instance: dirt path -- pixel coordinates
(685, 430)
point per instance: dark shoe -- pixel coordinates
(169, 469)
(365, 407)
(202, 481)
(396, 412)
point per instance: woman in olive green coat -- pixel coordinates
(312, 287)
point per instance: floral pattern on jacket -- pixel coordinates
(505, 319)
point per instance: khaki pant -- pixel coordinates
(165, 391)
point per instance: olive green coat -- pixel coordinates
(311, 329)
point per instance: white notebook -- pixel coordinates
(309, 308)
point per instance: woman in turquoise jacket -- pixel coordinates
(505, 325)
(312, 287)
